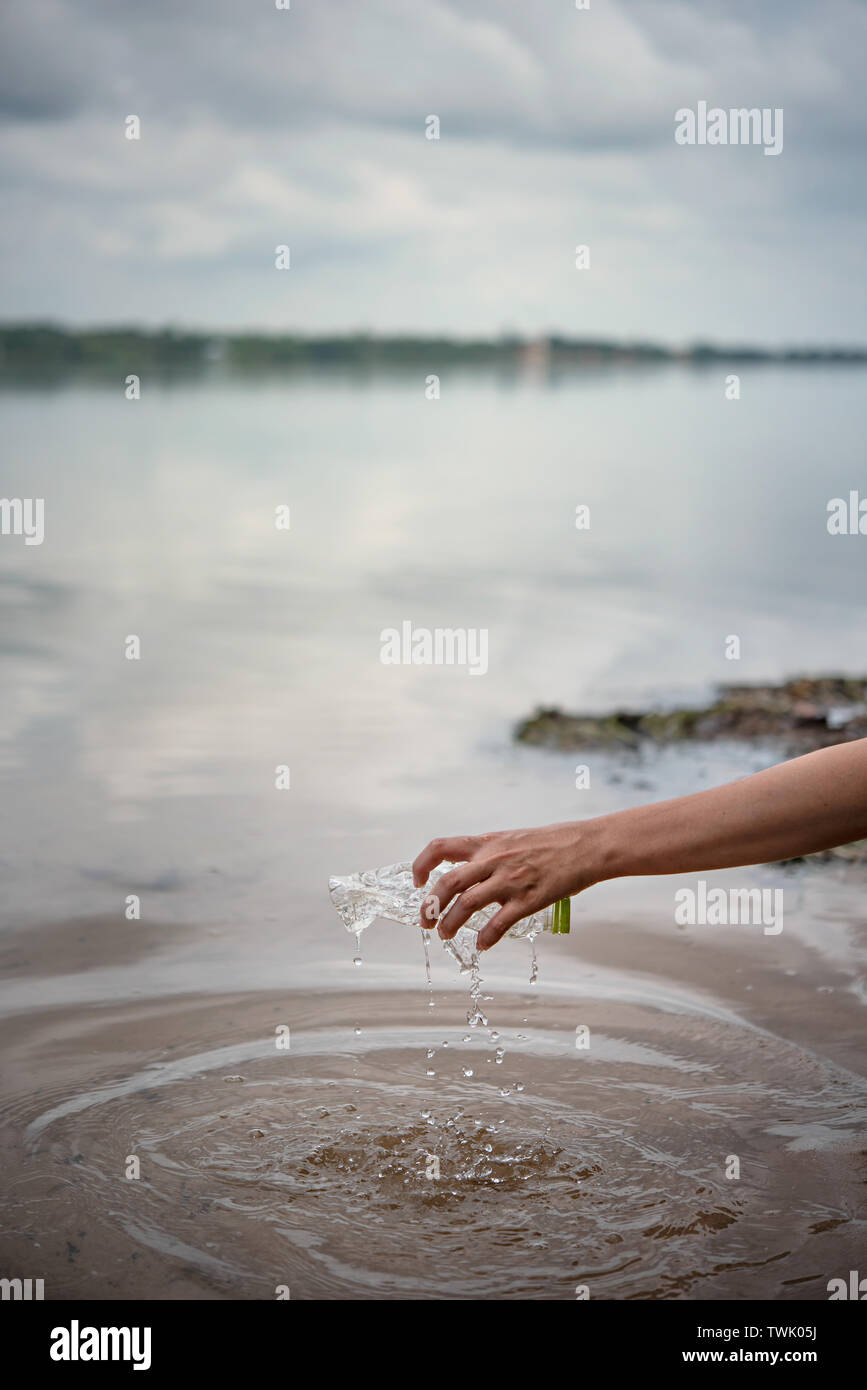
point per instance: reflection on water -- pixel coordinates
(260, 649)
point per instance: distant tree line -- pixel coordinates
(33, 347)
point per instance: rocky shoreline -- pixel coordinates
(801, 715)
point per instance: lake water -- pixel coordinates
(260, 648)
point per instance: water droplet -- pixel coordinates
(357, 961)
(467, 1071)
(475, 1015)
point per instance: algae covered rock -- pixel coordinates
(805, 712)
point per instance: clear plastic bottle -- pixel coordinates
(390, 892)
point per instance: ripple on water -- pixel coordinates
(340, 1168)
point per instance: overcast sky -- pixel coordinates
(306, 127)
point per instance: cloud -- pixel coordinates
(306, 126)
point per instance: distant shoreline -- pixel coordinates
(33, 346)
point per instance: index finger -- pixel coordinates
(457, 850)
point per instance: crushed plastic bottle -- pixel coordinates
(390, 892)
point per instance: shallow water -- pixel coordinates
(311, 1167)
(308, 1166)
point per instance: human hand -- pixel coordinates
(522, 870)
